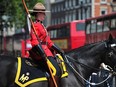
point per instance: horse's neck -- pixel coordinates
(89, 55)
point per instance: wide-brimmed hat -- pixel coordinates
(39, 7)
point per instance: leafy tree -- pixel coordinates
(15, 10)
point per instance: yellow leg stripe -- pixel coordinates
(52, 67)
(63, 65)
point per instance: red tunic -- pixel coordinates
(43, 36)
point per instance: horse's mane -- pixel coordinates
(86, 48)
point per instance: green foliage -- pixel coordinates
(15, 10)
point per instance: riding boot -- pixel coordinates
(51, 83)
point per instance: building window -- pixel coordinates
(103, 11)
(66, 4)
(88, 12)
(88, 1)
(55, 9)
(74, 2)
(62, 7)
(77, 2)
(74, 15)
(70, 17)
(70, 3)
(59, 8)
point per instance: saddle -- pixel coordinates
(29, 72)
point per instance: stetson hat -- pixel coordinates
(39, 7)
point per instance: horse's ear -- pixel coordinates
(110, 37)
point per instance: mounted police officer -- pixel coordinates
(44, 47)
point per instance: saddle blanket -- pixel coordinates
(27, 73)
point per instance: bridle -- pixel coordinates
(110, 54)
(71, 65)
(105, 68)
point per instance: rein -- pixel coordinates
(81, 63)
(67, 61)
(105, 68)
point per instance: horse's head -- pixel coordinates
(111, 53)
